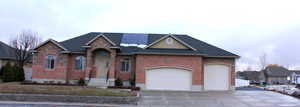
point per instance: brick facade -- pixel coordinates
(65, 64)
(223, 61)
(73, 73)
(38, 67)
(125, 75)
(188, 62)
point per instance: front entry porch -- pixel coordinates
(99, 75)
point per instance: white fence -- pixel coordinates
(241, 83)
(28, 73)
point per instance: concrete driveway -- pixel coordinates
(217, 99)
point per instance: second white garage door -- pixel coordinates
(168, 79)
(216, 77)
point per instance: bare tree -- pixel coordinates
(249, 68)
(263, 64)
(263, 61)
(23, 43)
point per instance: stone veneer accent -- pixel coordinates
(101, 43)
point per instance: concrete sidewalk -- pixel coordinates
(217, 99)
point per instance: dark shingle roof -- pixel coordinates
(252, 75)
(202, 48)
(295, 71)
(277, 71)
(6, 51)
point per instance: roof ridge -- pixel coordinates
(75, 37)
(140, 33)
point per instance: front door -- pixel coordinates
(102, 63)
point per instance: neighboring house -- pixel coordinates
(255, 77)
(276, 75)
(6, 54)
(151, 61)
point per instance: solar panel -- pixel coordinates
(134, 38)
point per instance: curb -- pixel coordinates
(59, 103)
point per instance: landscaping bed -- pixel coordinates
(18, 88)
(15, 91)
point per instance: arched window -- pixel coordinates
(80, 63)
(50, 62)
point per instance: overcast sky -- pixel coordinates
(247, 28)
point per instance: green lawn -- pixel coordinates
(15, 87)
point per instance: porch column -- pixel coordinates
(89, 64)
(111, 78)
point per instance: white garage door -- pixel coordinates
(216, 77)
(168, 79)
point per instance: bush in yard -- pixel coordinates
(19, 71)
(132, 82)
(118, 82)
(8, 73)
(81, 81)
(1, 72)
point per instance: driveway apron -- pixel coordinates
(216, 99)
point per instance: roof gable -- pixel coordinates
(169, 43)
(6, 51)
(98, 36)
(165, 42)
(52, 41)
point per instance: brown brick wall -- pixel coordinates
(189, 62)
(73, 73)
(124, 75)
(223, 61)
(38, 66)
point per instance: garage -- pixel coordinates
(168, 79)
(216, 77)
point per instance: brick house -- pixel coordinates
(151, 61)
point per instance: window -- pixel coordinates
(80, 63)
(125, 65)
(50, 62)
(169, 41)
(103, 53)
